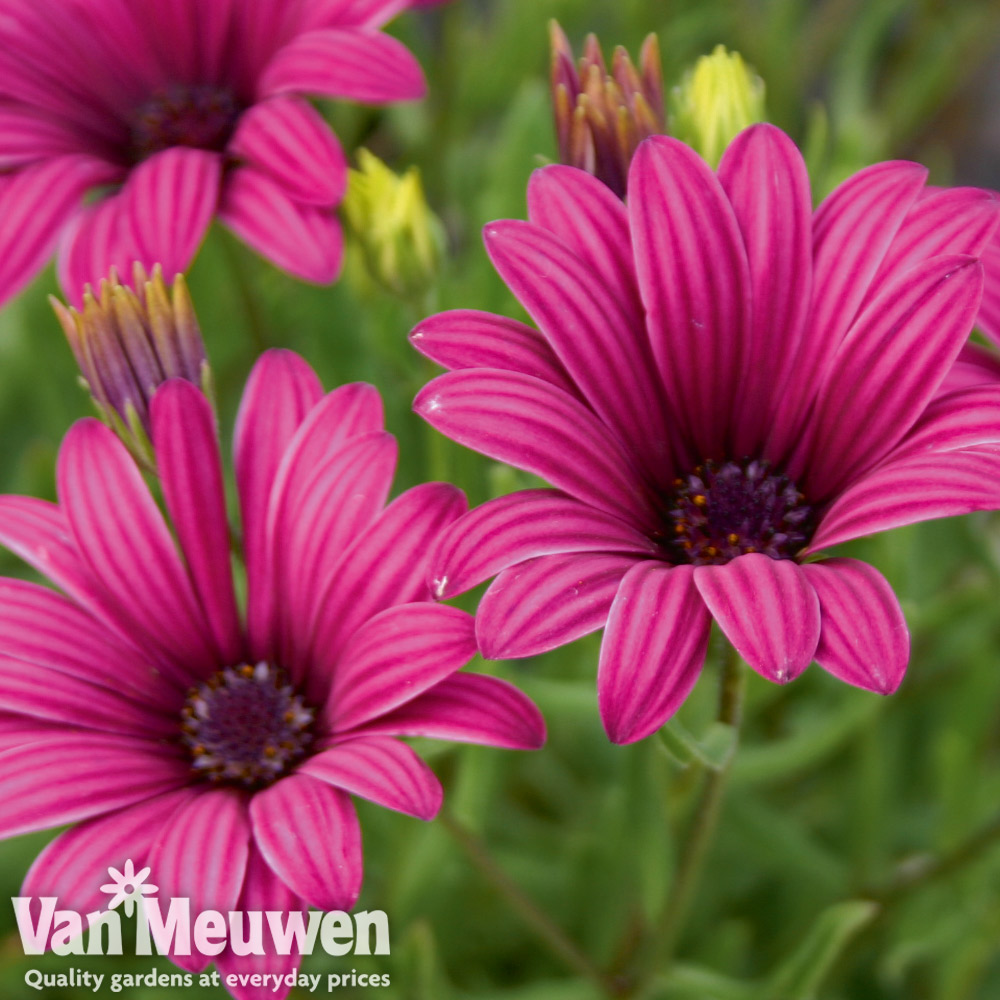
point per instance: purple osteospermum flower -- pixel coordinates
(223, 755)
(181, 111)
(724, 384)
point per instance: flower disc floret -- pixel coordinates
(246, 726)
(727, 509)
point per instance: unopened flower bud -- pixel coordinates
(601, 116)
(129, 342)
(391, 227)
(718, 98)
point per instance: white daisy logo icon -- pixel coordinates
(127, 886)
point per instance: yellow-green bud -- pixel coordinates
(718, 98)
(391, 228)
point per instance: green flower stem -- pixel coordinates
(703, 825)
(236, 257)
(540, 922)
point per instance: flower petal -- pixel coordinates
(190, 466)
(468, 708)
(949, 221)
(396, 656)
(121, 534)
(520, 526)
(587, 217)
(350, 63)
(172, 198)
(533, 426)
(914, 488)
(66, 778)
(547, 602)
(989, 312)
(653, 649)
(39, 626)
(694, 280)
(321, 512)
(201, 856)
(380, 769)
(304, 240)
(863, 639)
(262, 891)
(386, 565)
(36, 202)
(45, 692)
(765, 178)
(309, 836)
(290, 140)
(963, 418)
(466, 338)
(595, 338)
(888, 368)
(97, 239)
(767, 609)
(69, 866)
(852, 232)
(279, 393)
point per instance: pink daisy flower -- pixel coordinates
(174, 113)
(223, 755)
(722, 384)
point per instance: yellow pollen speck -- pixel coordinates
(749, 549)
(733, 538)
(699, 500)
(199, 751)
(246, 670)
(711, 551)
(270, 751)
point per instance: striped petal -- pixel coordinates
(468, 708)
(914, 488)
(694, 280)
(201, 856)
(466, 338)
(547, 602)
(350, 63)
(396, 656)
(290, 140)
(65, 779)
(863, 639)
(190, 466)
(529, 523)
(324, 870)
(121, 534)
(304, 240)
(889, 367)
(172, 198)
(653, 649)
(767, 609)
(382, 770)
(531, 425)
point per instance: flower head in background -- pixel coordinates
(601, 116)
(128, 343)
(173, 114)
(222, 749)
(722, 384)
(397, 238)
(718, 98)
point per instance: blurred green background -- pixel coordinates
(837, 795)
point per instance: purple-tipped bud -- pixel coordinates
(601, 116)
(128, 342)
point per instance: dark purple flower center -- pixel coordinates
(246, 726)
(195, 115)
(727, 509)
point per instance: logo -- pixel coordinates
(169, 927)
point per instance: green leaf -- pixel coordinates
(802, 973)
